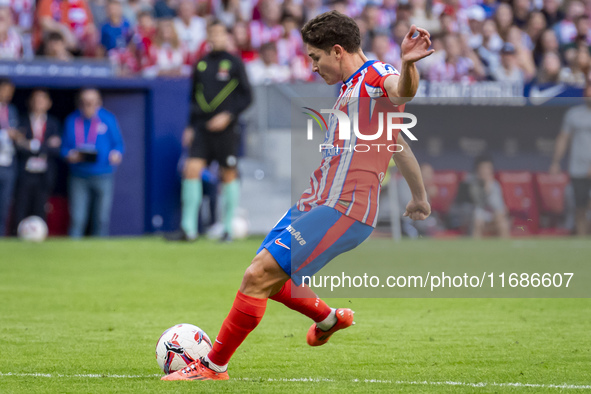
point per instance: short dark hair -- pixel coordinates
(5, 81)
(483, 158)
(55, 36)
(330, 29)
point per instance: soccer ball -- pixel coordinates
(239, 228)
(180, 345)
(32, 229)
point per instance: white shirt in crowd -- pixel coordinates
(261, 74)
(192, 35)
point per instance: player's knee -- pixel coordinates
(259, 275)
(229, 174)
(192, 169)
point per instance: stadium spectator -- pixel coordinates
(99, 12)
(73, 19)
(382, 50)
(290, 45)
(190, 28)
(398, 31)
(489, 7)
(242, 42)
(423, 16)
(457, 66)
(404, 12)
(93, 146)
(220, 93)
(536, 25)
(9, 119)
(476, 17)
(116, 34)
(266, 69)
(565, 29)
(37, 150)
(524, 55)
(167, 56)
(549, 71)
(552, 12)
(145, 32)
(228, 12)
(578, 60)
(583, 26)
(23, 12)
(575, 134)
(165, 8)
(521, 12)
(504, 20)
(132, 9)
(268, 28)
(11, 46)
(508, 70)
(486, 195)
(546, 43)
(54, 47)
(312, 8)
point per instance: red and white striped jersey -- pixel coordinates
(349, 179)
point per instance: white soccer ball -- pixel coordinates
(180, 345)
(32, 229)
(239, 228)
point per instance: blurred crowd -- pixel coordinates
(518, 41)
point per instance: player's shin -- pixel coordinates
(231, 198)
(245, 315)
(302, 299)
(191, 194)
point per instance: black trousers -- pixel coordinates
(31, 195)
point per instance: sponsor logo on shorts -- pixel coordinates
(296, 234)
(278, 242)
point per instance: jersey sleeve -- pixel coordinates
(377, 74)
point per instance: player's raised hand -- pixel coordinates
(417, 210)
(414, 49)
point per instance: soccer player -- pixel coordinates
(220, 93)
(339, 209)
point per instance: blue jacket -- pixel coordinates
(108, 139)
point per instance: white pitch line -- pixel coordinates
(318, 380)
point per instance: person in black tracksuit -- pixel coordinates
(37, 149)
(220, 93)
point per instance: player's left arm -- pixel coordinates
(402, 88)
(418, 208)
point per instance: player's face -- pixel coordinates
(325, 64)
(218, 37)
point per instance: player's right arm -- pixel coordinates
(418, 208)
(402, 89)
(561, 144)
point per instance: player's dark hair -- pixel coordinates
(484, 158)
(217, 22)
(54, 36)
(86, 89)
(5, 81)
(330, 29)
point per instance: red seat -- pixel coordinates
(447, 183)
(551, 189)
(520, 199)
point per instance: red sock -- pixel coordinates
(305, 301)
(245, 315)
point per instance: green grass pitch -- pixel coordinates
(84, 316)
